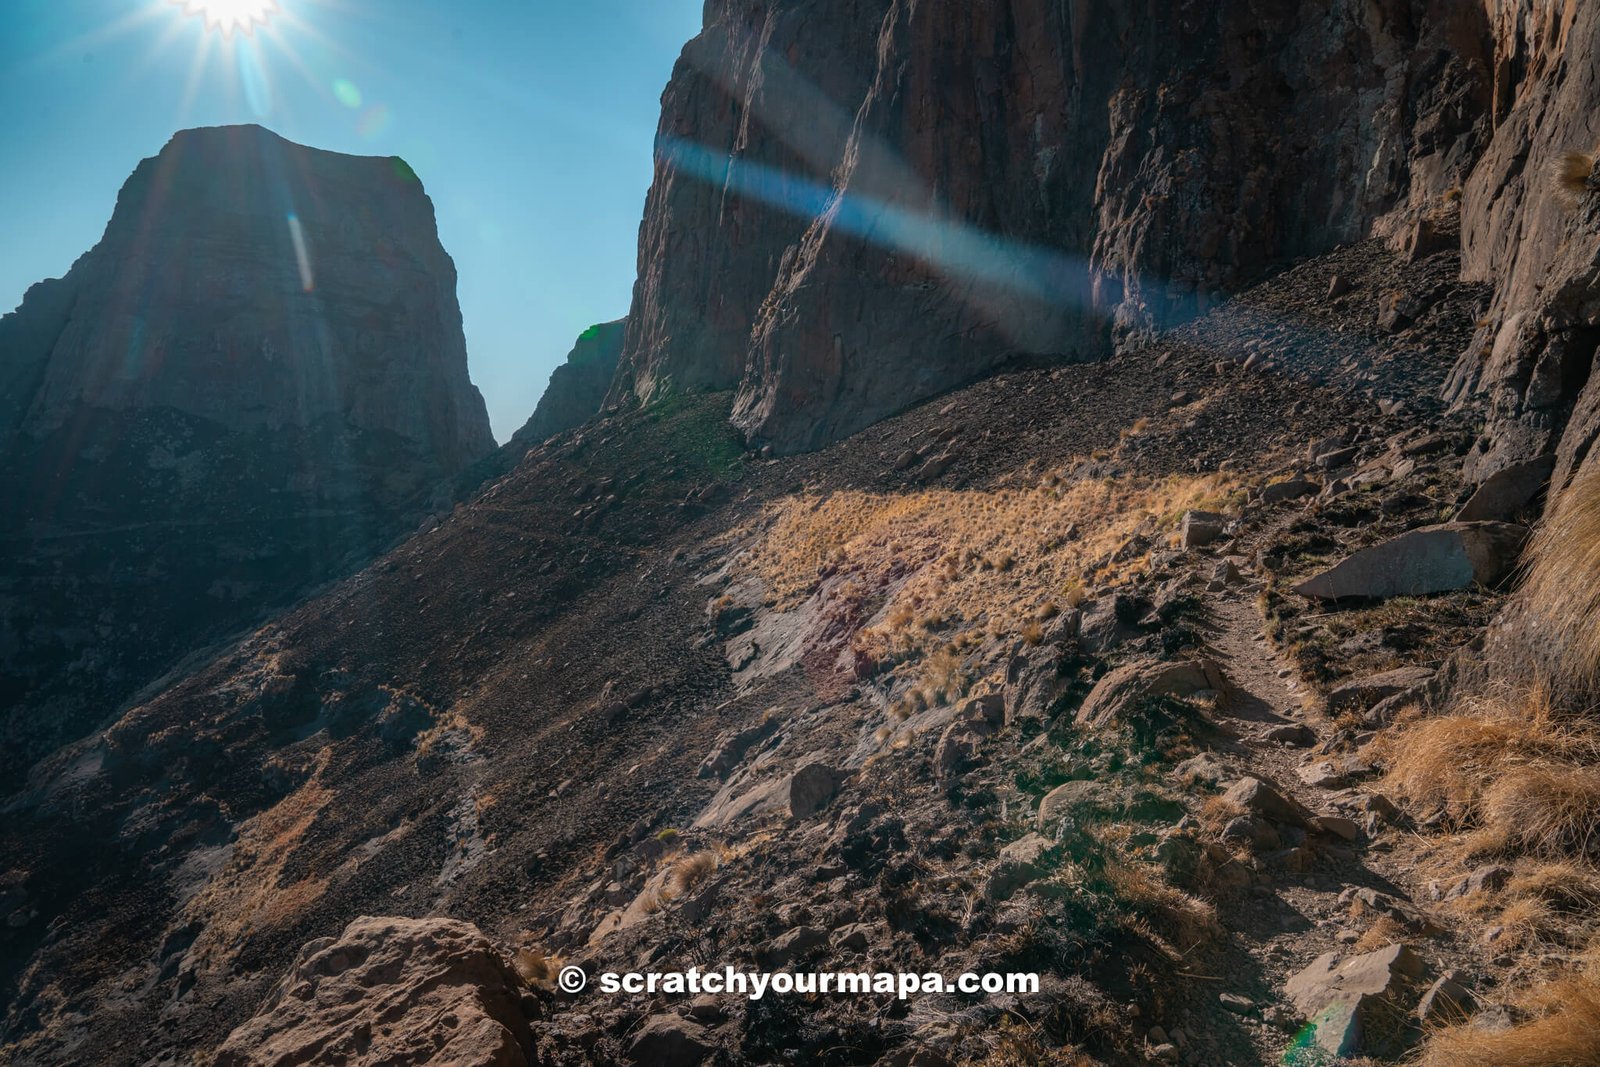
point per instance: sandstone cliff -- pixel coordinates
(578, 387)
(843, 223)
(245, 386)
(1535, 352)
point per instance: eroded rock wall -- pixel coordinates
(254, 380)
(1538, 240)
(846, 222)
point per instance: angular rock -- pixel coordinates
(1119, 692)
(1034, 682)
(1108, 622)
(1426, 235)
(731, 747)
(1344, 998)
(1291, 489)
(376, 993)
(1333, 773)
(1362, 693)
(1255, 795)
(854, 937)
(668, 1040)
(1447, 1001)
(1205, 768)
(1336, 825)
(1339, 457)
(1319, 448)
(1490, 878)
(1200, 528)
(1433, 559)
(958, 745)
(1066, 798)
(1507, 491)
(793, 945)
(1290, 733)
(811, 788)
(1020, 862)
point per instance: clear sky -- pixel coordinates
(530, 123)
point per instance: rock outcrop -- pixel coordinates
(1431, 559)
(1539, 240)
(256, 378)
(845, 223)
(391, 991)
(578, 387)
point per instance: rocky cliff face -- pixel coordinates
(245, 386)
(1538, 239)
(578, 387)
(844, 223)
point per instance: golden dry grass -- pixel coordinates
(250, 895)
(691, 870)
(536, 967)
(1563, 1030)
(933, 569)
(1384, 932)
(1562, 591)
(1187, 921)
(1508, 767)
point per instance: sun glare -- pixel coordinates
(228, 16)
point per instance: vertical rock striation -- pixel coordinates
(1538, 239)
(248, 384)
(845, 222)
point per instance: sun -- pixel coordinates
(228, 16)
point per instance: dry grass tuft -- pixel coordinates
(692, 870)
(1564, 1030)
(1217, 812)
(1381, 934)
(1509, 768)
(536, 967)
(1572, 176)
(1563, 587)
(1187, 921)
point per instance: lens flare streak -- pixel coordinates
(297, 235)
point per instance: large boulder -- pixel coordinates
(1124, 688)
(1433, 559)
(1258, 797)
(1352, 1003)
(379, 993)
(975, 720)
(1020, 862)
(1033, 683)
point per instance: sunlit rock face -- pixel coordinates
(256, 377)
(1538, 239)
(862, 203)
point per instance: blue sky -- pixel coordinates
(530, 123)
